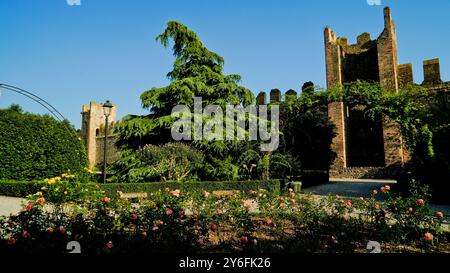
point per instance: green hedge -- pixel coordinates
(19, 188)
(34, 147)
(22, 189)
(272, 186)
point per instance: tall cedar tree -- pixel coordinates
(197, 72)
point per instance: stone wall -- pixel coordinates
(370, 60)
(93, 120)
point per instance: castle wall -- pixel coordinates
(369, 60)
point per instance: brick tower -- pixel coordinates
(92, 132)
(362, 145)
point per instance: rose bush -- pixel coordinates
(172, 220)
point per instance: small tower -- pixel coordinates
(93, 122)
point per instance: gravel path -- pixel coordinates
(10, 205)
(361, 189)
(348, 189)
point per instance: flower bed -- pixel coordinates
(174, 220)
(23, 188)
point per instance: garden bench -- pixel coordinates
(133, 195)
(224, 193)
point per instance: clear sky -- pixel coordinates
(106, 49)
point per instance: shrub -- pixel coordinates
(23, 188)
(191, 221)
(169, 162)
(19, 188)
(272, 186)
(34, 147)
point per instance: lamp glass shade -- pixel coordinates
(107, 106)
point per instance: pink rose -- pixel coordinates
(109, 244)
(421, 202)
(106, 200)
(201, 241)
(439, 214)
(29, 207)
(410, 210)
(213, 227)
(25, 234)
(349, 204)
(169, 212)
(175, 193)
(50, 230)
(244, 240)
(428, 236)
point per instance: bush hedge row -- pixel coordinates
(34, 147)
(22, 189)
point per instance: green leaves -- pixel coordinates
(37, 147)
(197, 72)
(170, 162)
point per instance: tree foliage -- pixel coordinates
(307, 130)
(169, 162)
(197, 72)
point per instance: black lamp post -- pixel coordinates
(107, 106)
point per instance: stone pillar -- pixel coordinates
(405, 75)
(261, 98)
(332, 59)
(393, 143)
(336, 113)
(308, 88)
(336, 110)
(389, 81)
(432, 72)
(291, 95)
(388, 54)
(275, 96)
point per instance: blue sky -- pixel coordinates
(106, 49)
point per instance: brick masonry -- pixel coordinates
(92, 132)
(373, 60)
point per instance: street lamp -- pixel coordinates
(107, 106)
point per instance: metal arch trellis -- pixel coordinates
(53, 111)
(37, 99)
